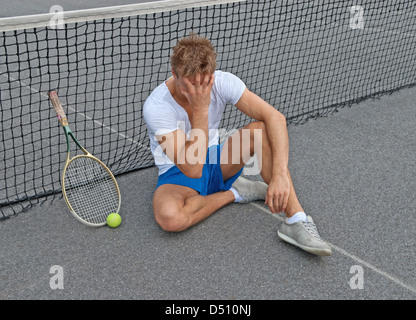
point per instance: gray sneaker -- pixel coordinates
(305, 236)
(250, 190)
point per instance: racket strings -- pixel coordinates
(90, 190)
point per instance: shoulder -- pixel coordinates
(157, 102)
(228, 86)
(224, 76)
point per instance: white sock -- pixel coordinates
(236, 195)
(299, 216)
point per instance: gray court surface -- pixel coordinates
(353, 172)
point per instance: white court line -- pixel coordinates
(349, 255)
(22, 84)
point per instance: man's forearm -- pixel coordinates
(279, 142)
(194, 151)
(199, 135)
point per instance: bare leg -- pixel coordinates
(177, 208)
(229, 169)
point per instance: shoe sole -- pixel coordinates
(315, 251)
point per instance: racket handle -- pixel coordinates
(58, 108)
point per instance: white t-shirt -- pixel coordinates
(163, 114)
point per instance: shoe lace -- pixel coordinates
(311, 228)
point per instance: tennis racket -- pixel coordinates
(89, 188)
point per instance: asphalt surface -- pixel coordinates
(353, 172)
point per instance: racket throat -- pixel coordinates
(68, 133)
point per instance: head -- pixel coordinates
(192, 55)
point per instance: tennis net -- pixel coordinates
(306, 58)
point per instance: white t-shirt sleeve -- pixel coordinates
(160, 117)
(229, 87)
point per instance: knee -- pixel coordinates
(171, 220)
(257, 125)
(257, 129)
(261, 125)
(258, 136)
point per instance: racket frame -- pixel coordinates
(68, 133)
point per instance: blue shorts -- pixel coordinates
(211, 180)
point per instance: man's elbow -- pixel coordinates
(280, 116)
(275, 117)
(194, 172)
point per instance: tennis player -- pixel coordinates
(197, 176)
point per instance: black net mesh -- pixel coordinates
(306, 58)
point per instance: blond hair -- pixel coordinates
(192, 55)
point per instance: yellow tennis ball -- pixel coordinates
(113, 220)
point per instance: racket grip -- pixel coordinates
(58, 108)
